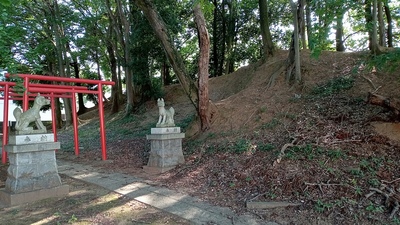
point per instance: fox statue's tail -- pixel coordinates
(17, 114)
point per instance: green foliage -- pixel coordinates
(321, 206)
(73, 219)
(311, 152)
(334, 86)
(388, 61)
(241, 145)
(5, 3)
(271, 124)
(184, 124)
(265, 147)
(375, 208)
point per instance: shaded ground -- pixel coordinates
(333, 148)
(85, 204)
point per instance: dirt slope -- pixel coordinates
(338, 146)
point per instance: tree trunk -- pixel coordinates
(113, 69)
(381, 23)
(296, 41)
(375, 46)
(302, 27)
(368, 21)
(339, 33)
(172, 53)
(268, 45)
(371, 19)
(58, 31)
(125, 42)
(165, 74)
(230, 37)
(308, 21)
(204, 43)
(389, 32)
(223, 41)
(215, 41)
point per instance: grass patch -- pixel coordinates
(334, 86)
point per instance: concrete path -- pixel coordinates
(189, 208)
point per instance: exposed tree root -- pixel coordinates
(392, 196)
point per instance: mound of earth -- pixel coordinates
(318, 144)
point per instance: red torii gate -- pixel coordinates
(53, 91)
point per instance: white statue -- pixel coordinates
(166, 118)
(23, 119)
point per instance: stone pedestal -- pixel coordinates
(165, 150)
(33, 173)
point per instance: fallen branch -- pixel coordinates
(343, 141)
(390, 182)
(327, 184)
(392, 104)
(372, 84)
(282, 153)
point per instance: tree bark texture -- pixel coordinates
(172, 53)
(381, 23)
(113, 68)
(339, 33)
(230, 36)
(268, 45)
(389, 32)
(125, 42)
(296, 40)
(204, 43)
(308, 21)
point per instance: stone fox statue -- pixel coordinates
(23, 119)
(166, 117)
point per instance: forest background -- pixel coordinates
(143, 45)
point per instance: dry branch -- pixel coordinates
(327, 184)
(282, 153)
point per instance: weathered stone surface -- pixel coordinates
(33, 166)
(166, 150)
(165, 136)
(36, 157)
(30, 139)
(166, 130)
(32, 147)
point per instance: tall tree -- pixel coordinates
(204, 43)
(371, 24)
(161, 31)
(231, 31)
(124, 38)
(381, 23)
(268, 45)
(339, 33)
(389, 31)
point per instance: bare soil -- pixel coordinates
(318, 144)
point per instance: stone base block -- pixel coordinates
(11, 199)
(156, 170)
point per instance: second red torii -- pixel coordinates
(52, 91)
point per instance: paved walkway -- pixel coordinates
(189, 208)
